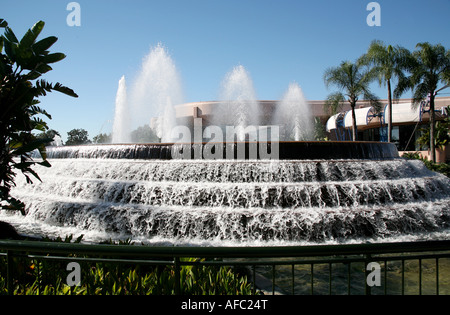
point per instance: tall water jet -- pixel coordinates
(156, 91)
(238, 102)
(121, 126)
(294, 114)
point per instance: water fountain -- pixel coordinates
(294, 114)
(154, 93)
(121, 126)
(313, 191)
(238, 103)
(364, 191)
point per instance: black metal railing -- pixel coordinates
(372, 268)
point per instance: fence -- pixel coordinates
(372, 268)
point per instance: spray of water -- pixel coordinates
(121, 126)
(294, 113)
(154, 93)
(239, 105)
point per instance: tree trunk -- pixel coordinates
(432, 128)
(390, 111)
(354, 129)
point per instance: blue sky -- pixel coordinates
(277, 41)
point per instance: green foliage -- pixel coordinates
(387, 62)
(441, 136)
(334, 103)
(144, 134)
(77, 137)
(352, 81)
(319, 130)
(102, 138)
(430, 70)
(47, 277)
(22, 63)
(49, 134)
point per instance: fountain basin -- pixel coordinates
(311, 150)
(316, 191)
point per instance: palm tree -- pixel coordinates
(353, 83)
(429, 73)
(388, 63)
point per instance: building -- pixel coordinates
(371, 126)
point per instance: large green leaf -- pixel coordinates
(10, 48)
(43, 87)
(9, 35)
(3, 23)
(52, 58)
(30, 36)
(42, 68)
(26, 147)
(41, 46)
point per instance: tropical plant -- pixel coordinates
(388, 63)
(441, 137)
(22, 63)
(353, 82)
(334, 103)
(429, 73)
(442, 133)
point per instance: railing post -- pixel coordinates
(9, 272)
(177, 275)
(366, 263)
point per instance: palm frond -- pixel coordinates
(334, 103)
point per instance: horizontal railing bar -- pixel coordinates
(228, 252)
(317, 261)
(98, 260)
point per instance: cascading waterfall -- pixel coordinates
(238, 202)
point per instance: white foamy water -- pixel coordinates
(229, 203)
(294, 113)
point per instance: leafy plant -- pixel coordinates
(353, 82)
(35, 276)
(430, 72)
(43, 277)
(77, 137)
(441, 133)
(441, 137)
(388, 63)
(22, 63)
